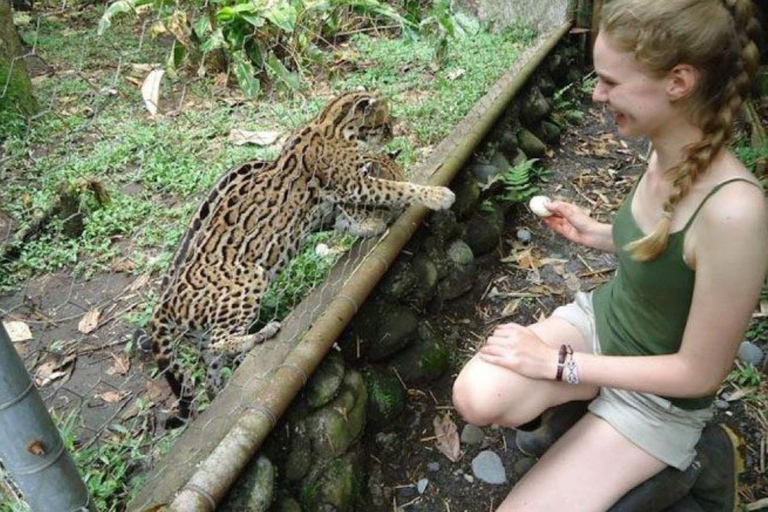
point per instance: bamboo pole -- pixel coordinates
(214, 475)
(30, 445)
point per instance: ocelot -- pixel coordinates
(251, 224)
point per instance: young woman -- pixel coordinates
(652, 346)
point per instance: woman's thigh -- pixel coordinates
(485, 393)
(587, 470)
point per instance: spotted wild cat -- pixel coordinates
(251, 224)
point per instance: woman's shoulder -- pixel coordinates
(734, 200)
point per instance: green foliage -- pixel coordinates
(434, 97)
(302, 274)
(262, 40)
(758, 329)
(520, 182)
(109, 465)
(750, 155)
(745, 375)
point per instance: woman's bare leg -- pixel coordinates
(587, 470)
(485, 393)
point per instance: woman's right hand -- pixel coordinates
(571, 222)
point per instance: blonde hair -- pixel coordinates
(716, 37)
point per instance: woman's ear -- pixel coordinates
(682, 81)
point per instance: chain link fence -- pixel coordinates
(97, 194)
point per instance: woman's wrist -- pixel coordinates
(567, 369)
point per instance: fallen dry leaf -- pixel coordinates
(53, 369)
(124, 265)
(150, 90)
(511, 307)
(447, 437)
(139, 283)
(240, 137)
(112, 396)
(89, 322)
(122, 364)
(18, 330)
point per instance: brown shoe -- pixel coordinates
(555, 421)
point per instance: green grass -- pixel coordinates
(427, 95)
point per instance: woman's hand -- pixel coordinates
(517, 348)
(572, 223)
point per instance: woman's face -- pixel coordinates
(638, 101)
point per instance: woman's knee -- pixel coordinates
(470, 404)
(482, 397)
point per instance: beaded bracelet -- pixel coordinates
(572, 375)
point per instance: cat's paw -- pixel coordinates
(439, 198)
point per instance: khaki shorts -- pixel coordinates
(661, 429)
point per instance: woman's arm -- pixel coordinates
(730, 269)
(571, 222)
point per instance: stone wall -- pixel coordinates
(314, 461)
(543, 15)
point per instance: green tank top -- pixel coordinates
(643, 310)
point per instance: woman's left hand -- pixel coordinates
(519, 349)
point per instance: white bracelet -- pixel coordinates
(571, 371)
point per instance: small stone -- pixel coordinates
(406, 492)
(472, 434)
(433, 466)
(522, 466)
(421, 485)
(487, 466)
(460, 253)
(469, 478)
(750, 353)
(524, 235)
(722, 405)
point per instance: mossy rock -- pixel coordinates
(386, 398)
(426, 281)
(467, 195)
(549, 132)
(531, 144)
(424, 361)
(254, 489)
(535, 107)
(338, 425)
(325, 382)
(398, 282)
(484, 230)
(379, 330)
(299, 458)
(443, 225)
(333, 485)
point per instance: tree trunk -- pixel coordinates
(16, 100)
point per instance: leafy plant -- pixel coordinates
(745, 374)
(256, 39)
(520, 181)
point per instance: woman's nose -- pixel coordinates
(599, 95)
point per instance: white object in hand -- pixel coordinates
(538, 205)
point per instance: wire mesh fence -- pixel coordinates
(98, 191)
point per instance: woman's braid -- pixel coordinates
(717, 127)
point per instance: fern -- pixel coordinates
(520, 181)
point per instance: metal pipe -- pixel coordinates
(215, 474)
(31, 447)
